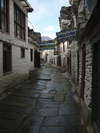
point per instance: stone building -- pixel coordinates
(14, 53)
(67, 49)
(34, 38)
(47, 56)
(65, 23)
(82, 57)
(88, 60)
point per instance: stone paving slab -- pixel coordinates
(31, 124)
(45, 104)
(47, 96)
(57, 121)
(59, 98)
(54, 130)
(10, 108)
(45, 112)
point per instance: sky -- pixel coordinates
(45, 17)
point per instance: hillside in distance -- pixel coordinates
(46, 38)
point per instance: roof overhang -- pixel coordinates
(26, 5)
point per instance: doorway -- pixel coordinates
(96, 88)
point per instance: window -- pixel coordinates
(6, 58)
(4, 15)
(58, 49)
(31, 54)
(67, 44)
(22, 53)
(63, 47)
(19, 23)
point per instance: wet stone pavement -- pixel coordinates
(45, 104)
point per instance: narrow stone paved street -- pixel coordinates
(45, 104)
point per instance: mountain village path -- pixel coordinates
(45, 104)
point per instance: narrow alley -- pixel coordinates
(45, 104)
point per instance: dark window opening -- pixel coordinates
(63, 47)
(31, 54)
(4, 15)
(22, 53)
(19, 23)
(6, 58)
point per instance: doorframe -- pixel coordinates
(94, 41)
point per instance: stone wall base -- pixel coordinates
(85, 113)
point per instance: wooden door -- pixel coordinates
(59, 60)
(64, 63)
(68, 64)
(37, 59)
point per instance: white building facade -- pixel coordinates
(14, 53)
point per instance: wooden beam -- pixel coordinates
(21, 0)
(26, 6)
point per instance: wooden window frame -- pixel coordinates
(20, 24)
(7, 71)
(6, 15)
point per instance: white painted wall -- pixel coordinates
(20, 67)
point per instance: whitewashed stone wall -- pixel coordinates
(88, 75)
(50, 56)
(20, 70)
(80, 68)
(83, 17)
(73, 61)
(31, 63)
(62, 53)
(20, 67)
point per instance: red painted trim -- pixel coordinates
(8, 25)
(25, 28)
(5, 32)
(79, 1)
(7, 73)
(8, 16)
(11, 58)
(20, 39)
(70, 64)
(76, 18)
(95, 30)
(83, 72)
